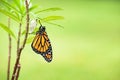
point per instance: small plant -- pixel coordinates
(22, 12)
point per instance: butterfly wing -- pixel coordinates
(41, 45)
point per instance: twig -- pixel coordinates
(15, 67)
(24, 42)
(27, 25)
(18, 71)
(18, 45)
(19, 34)
(9, 53)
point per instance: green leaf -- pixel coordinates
(54, 24)
(48, 9)
(9, 14)
(34, 32)
(51, 18)
(33, 7)
(16, 14)
(23, 8)
(30, 39)
(23, 32)
(17, 3)
(3, 6)
(30, 10)
(6, 4)
(7, 30)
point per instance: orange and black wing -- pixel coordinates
(41, 45)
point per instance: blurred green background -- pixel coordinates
(88, 48)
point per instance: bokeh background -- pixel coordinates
(88, 48)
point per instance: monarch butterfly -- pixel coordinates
(41, 44)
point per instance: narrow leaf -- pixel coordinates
(22, 5)
(34, 32)
(49, 9)
(18, 4)
(9, 5)
(54, 24)
(4, 6)
(9, 15)
(51, 18)
(23, 32)
(32, 8)
(30, 39)
(7, 30)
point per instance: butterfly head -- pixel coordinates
(42, 29)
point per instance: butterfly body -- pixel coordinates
(41, 44)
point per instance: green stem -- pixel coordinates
(15, 73)
(9, 53)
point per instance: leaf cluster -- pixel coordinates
(15, 9)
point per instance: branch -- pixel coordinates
(18, 46)
(19, 34)
(23, 45)
(18, 54)
(9, 53)
(18, 71)
(27, 25)
(15, 67)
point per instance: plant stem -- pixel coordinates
(9, 53)
(16, 63)
(27, 24)
(18, 71)
(18, 45)
(15, 73)
(19, 34)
